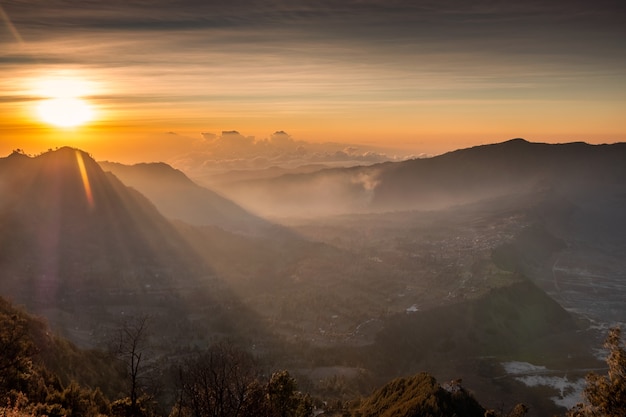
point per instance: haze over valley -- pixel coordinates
(355, 208)
(461, 265)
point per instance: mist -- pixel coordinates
(473, 264)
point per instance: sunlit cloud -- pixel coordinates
(232, 150)
(348, 67)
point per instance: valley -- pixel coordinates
(524, 269)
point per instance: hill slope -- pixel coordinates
(177, 197)
(35, 362)
(505, 168)
(81, 226)
(459, 177)
(419, 395)
(85, 251)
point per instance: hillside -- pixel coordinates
(455, 178)
(84, 250)
(504, 168)
(177, 197)
(43, 366)
(419, 395)
(74, 219)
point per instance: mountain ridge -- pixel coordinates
(178, 197)
(457, 177)
(74, 238)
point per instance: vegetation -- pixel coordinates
(421, 395)
(131, 350)
(28, 384)
(226, 381)
(223, 381)
(605, 396)
(220, 381)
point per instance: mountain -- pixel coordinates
(222, 180)
(490, 170)
(84, 250)
(75, 220)
(575, 193)
(324, 192)
(178, 197)
(459, 177)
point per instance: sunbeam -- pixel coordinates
(85, 179)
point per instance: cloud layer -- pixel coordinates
(232, 151)
(329, 69)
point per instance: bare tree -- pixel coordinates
(131, 348)
(221, 382)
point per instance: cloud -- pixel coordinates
(303, 64)
(367, 180)
(231, 150)
(320, 48)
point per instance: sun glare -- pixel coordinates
(65, 112)
(61, 103)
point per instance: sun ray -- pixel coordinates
(85, 179)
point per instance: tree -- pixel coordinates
(131, 349)
(225, 381)
(220, 382)
(16, 350)
(605, 396)
(284, 399)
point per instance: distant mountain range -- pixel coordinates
(499, 169)
(459, 177)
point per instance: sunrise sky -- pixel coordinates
(161, 80)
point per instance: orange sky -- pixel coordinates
(415, 78)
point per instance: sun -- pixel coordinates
(62, 104)
(65, 111)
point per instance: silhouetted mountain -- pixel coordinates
(223, 179)
(178, 197)
(81, 226)
(505, 168)
(84, 250)
(458, 177)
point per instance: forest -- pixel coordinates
(45, 375)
